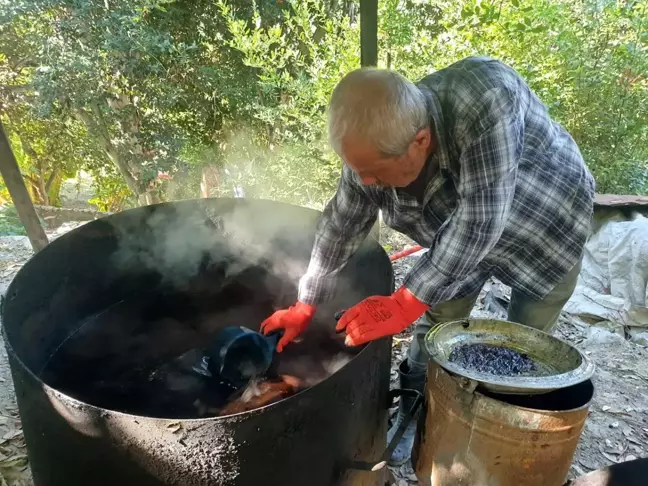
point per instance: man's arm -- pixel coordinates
(490, 149)
(346, 221)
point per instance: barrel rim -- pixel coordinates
(509, 384)
(49, 390)
(366, 348)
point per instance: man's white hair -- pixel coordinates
(378, 105)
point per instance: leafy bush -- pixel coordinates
(10, 224)
(587, 61)
(239, 87)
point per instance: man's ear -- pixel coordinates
(423, 138)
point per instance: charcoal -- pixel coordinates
(262, 393)
(491, 359)
(136, 358)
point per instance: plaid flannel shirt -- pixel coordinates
(510, 195)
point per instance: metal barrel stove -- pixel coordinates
(310, 438)
(470, 437)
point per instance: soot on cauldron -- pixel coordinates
(491, 359)
(130, 302)
(147, 356)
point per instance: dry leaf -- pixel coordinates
(609, 457)
(12, 434)
(10, 462)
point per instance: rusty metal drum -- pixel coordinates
(468, 437)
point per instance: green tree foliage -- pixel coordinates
(586, 60)
(298, 58)
(10, 224)
(145, 77)
(160, 98)
(48, 151)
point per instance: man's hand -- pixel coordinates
(293, 321)
(380, 316)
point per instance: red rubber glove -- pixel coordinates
(380, 316)
(293, 321)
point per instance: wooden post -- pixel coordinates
(369, 56)
(19, 195)
(369, 32)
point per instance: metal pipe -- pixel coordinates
(404, 253)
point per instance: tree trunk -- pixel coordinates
(53, 187)
(209, 181)
(51, 179)
(33, 189)
(149, 198)
(19, 195)
(123, 169)
(54, 191)
(97, 124)
(41, 185)
(38, 184)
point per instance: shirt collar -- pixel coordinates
(440, 156)
(435, 116)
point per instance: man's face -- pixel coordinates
(374, 167)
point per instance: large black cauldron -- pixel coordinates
(193, 252)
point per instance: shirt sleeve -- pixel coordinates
(490, 148)
(345, 223)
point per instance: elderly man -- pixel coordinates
(469, 164)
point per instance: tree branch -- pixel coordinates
(86, 118)
(21, 88)
(50, 179)
(101, 122)
(27, 148)
(25, 62)
(30, 179)
(99, 125)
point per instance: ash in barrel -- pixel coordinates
(146, 356)
(491, 359)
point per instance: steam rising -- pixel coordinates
(195, 256)
(295, 172)
(180, 240)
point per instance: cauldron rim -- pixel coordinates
(235, 416)
(106, 219)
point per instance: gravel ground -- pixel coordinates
(616, 430)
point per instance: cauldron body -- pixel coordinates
(305, 439)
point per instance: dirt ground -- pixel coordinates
(616, 430)
(14, 468)
(617, 426)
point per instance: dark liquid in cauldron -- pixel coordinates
(494, 360)
(138, 355)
